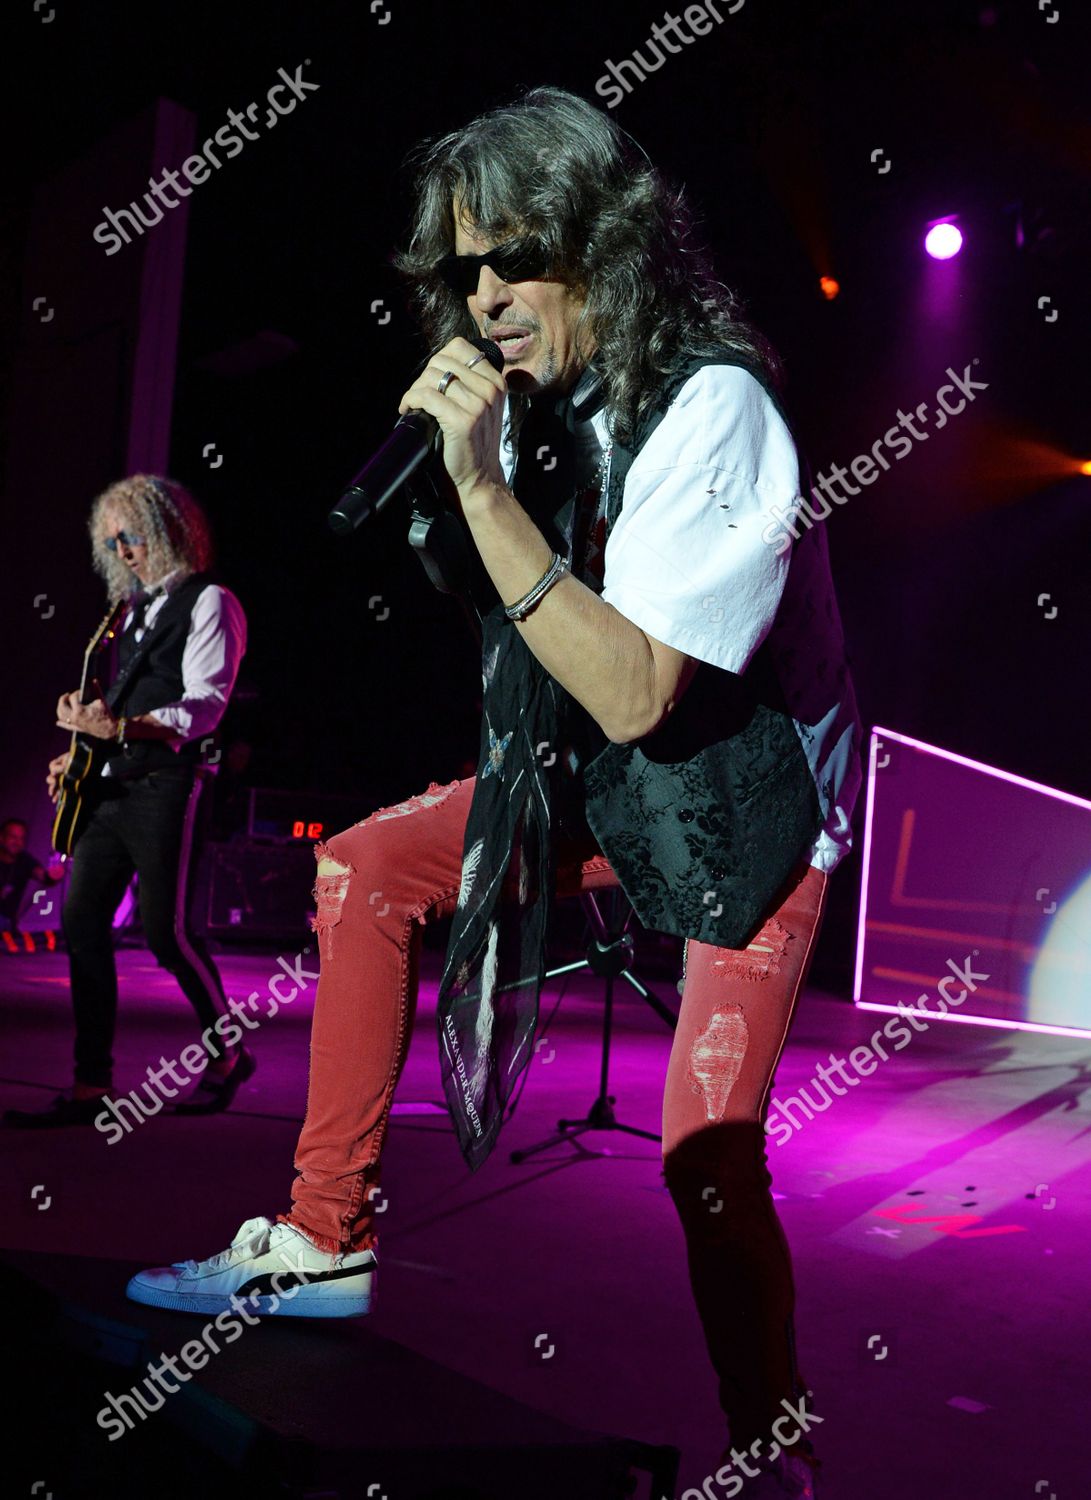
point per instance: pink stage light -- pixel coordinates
(943, 241)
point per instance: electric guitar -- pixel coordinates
(86, 756)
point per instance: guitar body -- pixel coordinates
(77, 786)
(75, 801)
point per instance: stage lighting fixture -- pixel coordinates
(830, 287)
(943, 240)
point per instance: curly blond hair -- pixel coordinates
(173, 525)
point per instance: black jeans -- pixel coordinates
(146, 825)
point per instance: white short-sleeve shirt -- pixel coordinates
(687, 563)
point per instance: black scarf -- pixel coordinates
(534, 737)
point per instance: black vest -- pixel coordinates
(149, 676)
(704, 820)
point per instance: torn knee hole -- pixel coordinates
(330, 889)
(759, 959)
(430, 798)
(716, 1059)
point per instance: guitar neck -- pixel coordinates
(98, 643)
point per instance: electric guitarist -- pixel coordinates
(130, 787)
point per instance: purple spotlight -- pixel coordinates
(943, 241)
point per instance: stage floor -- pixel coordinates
(947, 1356)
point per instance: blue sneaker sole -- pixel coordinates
(307, 1302)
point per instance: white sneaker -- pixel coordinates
(270, 1269)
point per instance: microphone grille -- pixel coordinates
(492, 352)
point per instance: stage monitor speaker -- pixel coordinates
(293, 1408)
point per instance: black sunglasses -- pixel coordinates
(126, 538)
(517, 260)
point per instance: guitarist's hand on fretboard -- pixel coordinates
(94, 718)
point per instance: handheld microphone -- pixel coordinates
(415, 437)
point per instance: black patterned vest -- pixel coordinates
(704, 820)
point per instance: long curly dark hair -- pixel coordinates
(556, 170)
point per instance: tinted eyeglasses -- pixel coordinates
(517, 260)
(126, 538)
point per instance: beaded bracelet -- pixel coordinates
(522, 607)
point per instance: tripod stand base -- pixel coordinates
(599, 1117)
(609, 956)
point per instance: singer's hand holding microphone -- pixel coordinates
(457, 401)
(469, 409)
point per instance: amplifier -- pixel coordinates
(256, 889)
(300, 817)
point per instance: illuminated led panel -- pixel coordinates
(970, 869)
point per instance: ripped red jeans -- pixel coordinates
(401, 868)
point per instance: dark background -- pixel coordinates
(770, 122)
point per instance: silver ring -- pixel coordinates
(475, 360)
(445, 381)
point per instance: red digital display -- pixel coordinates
(301, 830)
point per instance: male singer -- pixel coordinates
(666, 705)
